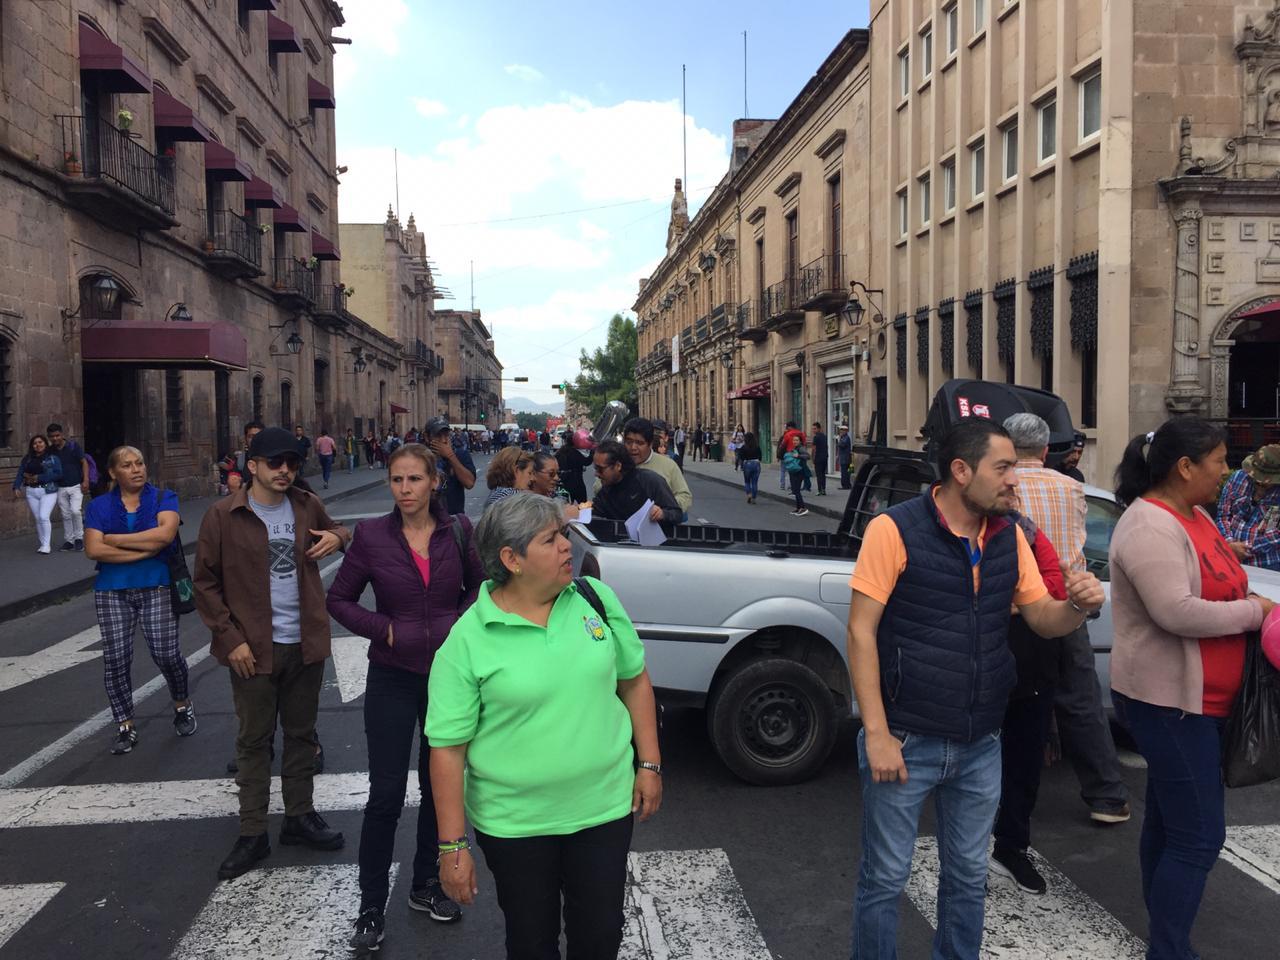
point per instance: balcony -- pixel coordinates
(701, 329)
(719, 319)
(232, 245)
(115, 178)
(294, 284)
(330, 308)
(822, 284)
(781, 309)
(686, 338)
(426, 358)
(748, 325)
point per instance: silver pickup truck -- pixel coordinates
(750, 624)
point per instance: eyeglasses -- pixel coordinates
(607, 466)
(275, 463)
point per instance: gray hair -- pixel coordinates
(1029, 433)
(513, 522)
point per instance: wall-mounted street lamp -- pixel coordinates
(853, 310)
(105, 294)
(359, 363)
(180, 313)
(293, 343)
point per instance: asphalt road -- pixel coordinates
(104, 856)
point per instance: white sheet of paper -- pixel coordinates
(584, 515)
(643, 530)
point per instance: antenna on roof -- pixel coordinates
(684, 123)
(395, 159)
(745, 112)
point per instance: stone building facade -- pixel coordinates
(470, 384)
(389, 284)
(169, 264)
(1065, 194)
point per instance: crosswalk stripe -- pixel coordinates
(1063, 924)
(20, 902)
(277, 914)
(1255, 851)
(351, 666)
(102, 803)
(15, 671)
(687, 904)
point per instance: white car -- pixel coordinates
(1101, 523)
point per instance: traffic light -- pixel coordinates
(560, 387)
(482, 416)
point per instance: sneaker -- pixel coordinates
(68, 546)
(433, 901)
(126, 739)
(802, 512)
(79, 544)
(368, 936)
(42, 550)
(184, 720)
(1017, 866)
(1110, 813)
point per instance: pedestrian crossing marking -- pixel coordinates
(158, 800)
(1255, 851)
(687, 905)
(350, 666)
(277, 913)
(1063, 924)
(20, 902)
(15, 671)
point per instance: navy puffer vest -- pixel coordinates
(945, 665)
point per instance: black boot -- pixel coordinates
(244, 856)
(310, 830)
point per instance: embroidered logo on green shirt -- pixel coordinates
(594, 627)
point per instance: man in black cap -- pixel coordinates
(258, 589)
(1070, 464)
(455, 464)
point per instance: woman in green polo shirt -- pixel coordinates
(541, 698)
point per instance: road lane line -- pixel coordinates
(1063, 924)
(1255, 851)
(20, 902)
(15, 671)
(687, 904)
(16, 774)
(158, 800)
(280, 913)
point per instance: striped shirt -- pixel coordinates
(1056, 504)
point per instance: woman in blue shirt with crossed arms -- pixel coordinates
(130, 532)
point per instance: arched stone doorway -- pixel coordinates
(1245, 362)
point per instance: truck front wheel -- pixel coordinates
(772, 721)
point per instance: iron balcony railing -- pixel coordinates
(292, 276)
(229, 233)
(1246, 434)
(686, 338)
(94, 149)
(747, 320)
(782, 301)
(701, 329)
(822, 281)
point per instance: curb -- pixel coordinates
(69, 591)
(779, 497)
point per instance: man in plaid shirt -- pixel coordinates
(1056, 504)
(1249, 509)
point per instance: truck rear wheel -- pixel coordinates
(772, 721)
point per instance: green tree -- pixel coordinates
(610, 372)
(531, 421)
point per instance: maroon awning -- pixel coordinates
(186, 346)
(281, 37)
(752, 391)
(322, 248)
(396, 408)
(112, 68)
(288, 219)
(319, 96)
(221, 164)
(1266, 311)
(178, 120)
(259, 193)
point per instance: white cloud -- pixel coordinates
(523, 72)
(592, 232)
(375, 28)
(430, 108)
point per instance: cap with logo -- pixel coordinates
(436, 425)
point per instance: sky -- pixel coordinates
(538, 143)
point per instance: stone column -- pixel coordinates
(1186, 393)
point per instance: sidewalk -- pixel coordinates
(29, 581)
(832, 505)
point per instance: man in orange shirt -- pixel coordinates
(934, 584)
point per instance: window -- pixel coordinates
(924, 200)
(1010, 137)
(1047, 117)
(1090, 105)
(320, 373)
(926, 53)
(836, 218)
(6, 392)
(286, 404)
(902, 213)
(760, 274)
(242, 14)
(257, 398)
(793, 245)
(953, 28)
(904, 73)
(948, 186)
(979, 15)
(173, 412)
(273, 61)
(978, 164)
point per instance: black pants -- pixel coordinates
(1025, 733)
(820, 471)
(395, 708)
(797, 483)
(845, 469)
(588, 867)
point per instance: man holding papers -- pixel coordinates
(624, 488)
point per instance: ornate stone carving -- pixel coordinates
(1186, 394)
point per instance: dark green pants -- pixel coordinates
(290, 691)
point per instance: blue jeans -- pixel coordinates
(326, 466)
(751, 477)
(1184, 825)
(964, 779)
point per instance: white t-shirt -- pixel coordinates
(282, 566)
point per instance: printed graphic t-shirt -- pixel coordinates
(286, 614)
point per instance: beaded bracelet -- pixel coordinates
(454, 846)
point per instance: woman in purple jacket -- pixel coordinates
(425, 571)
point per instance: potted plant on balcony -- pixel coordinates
(263, 228)
(124, 119)
(312, 263)
(71, 164)
(348, 291)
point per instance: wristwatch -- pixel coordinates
(655, 767)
